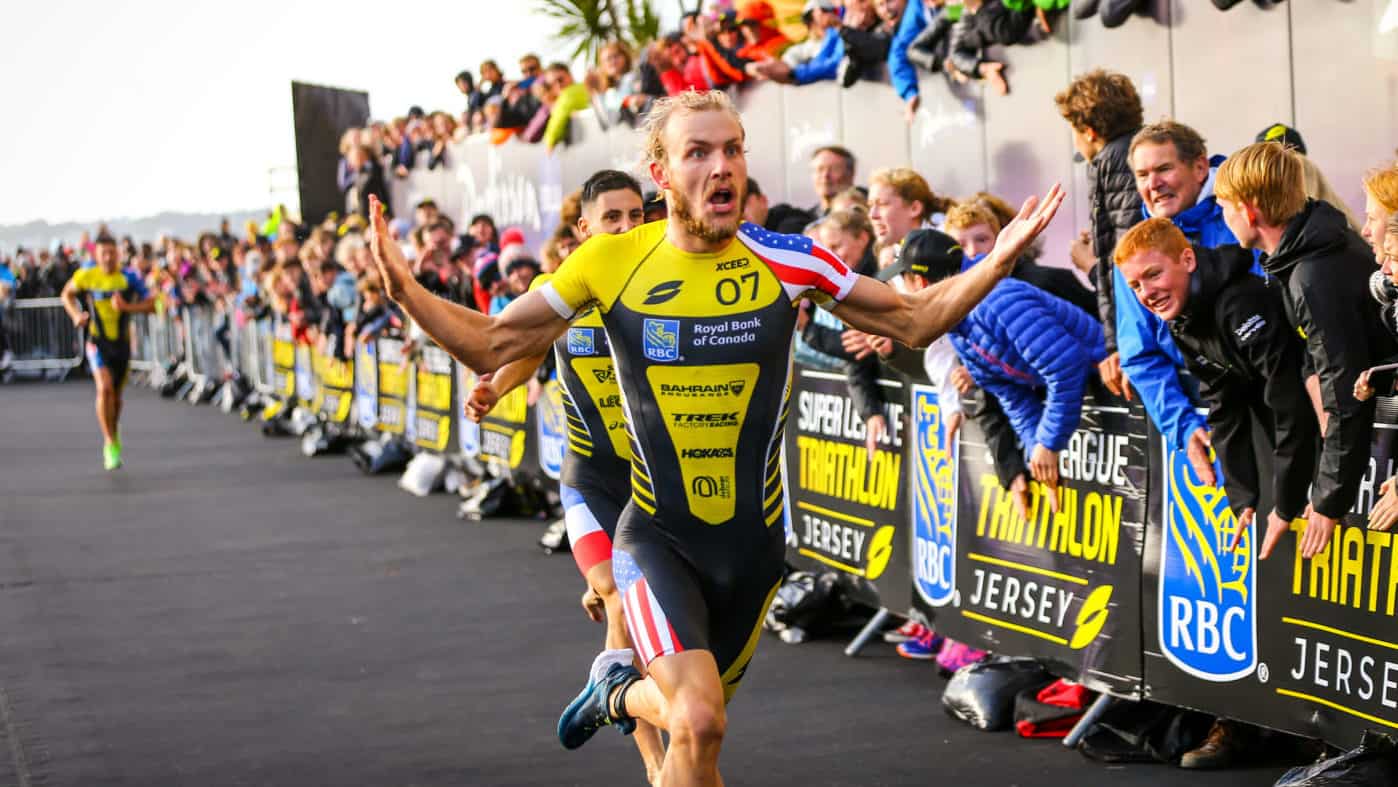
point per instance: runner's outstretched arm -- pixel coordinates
(488, 392)
(918, 319)
(525, 328)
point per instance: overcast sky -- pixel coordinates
(123, 108)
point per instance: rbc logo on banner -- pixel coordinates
(1208, 603)
(468, 431)
(934, 501)
(552, 437)
(581, 342)
(366, 386)
(660, 339)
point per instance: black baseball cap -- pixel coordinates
(1280, 132)
(930, 254)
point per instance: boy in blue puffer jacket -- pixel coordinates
(1030, 350)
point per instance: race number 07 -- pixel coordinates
(728, 291)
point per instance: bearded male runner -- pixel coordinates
(700, 313)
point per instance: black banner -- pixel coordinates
(1304, 646)
(844, 511)
(432, 418)
(1063, 587)
(321, 114)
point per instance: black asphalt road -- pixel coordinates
(223, 611)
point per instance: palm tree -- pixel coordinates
(588, 24)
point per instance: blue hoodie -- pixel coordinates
(901, 71)
(1149, 356)
(1034, 353)
(826, 63)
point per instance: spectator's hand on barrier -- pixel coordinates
(962, 380)
(593, 605)
(1019, 493)
(881, 345)
(1362, 390)
(856, 343)
(1034, 215)
(1043, 465)
(1385, 512)
(953, 424)
(874, 430)
(1276, 528)
(388, 256)
(1080, 252)
(1113, 377)
(911, 106)
(1244, 522)
(482, 400)
(1319, 529)
(1197, 451)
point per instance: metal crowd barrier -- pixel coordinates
(155, 341)
(41, 336)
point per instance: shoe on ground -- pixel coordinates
(1223, 747)
(1116, 12)
(590, 711)
(111, 456)
(910, 630)
(1085, 9)
(923, 648)
(848, 72)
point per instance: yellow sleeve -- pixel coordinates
(598, 270)
(539, 281)
(80, 279)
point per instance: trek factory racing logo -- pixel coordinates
(582, 341)
(660, 339)
(703, 420)
(1208, 603)
(934, 501)
(662, 292)
(704, 390)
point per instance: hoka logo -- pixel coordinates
(1208, 605)
(663, 292)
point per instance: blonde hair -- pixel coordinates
(690, 101)
(1267, 176)
(1382, 185)
(968, 215)
(912, 187)
(851, 221)
(1157, 234)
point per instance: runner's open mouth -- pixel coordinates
(722, 199)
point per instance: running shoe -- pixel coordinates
(910, 630)
(111, 456)
(923, 648)
(589, 712)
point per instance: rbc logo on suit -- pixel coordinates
(660, 339)
(934, 501)
(1208, 601)
(581, 341)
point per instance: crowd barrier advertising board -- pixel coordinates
(505, 437)
(845, 510)
(392, 387)
(552, 422)
(1307, 646)
(335, 381)
(468, 432)
(1062, 586)
(432, 417)
(305, 376)
(283, 368)
(366, 385)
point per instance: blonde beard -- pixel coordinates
(699, 228)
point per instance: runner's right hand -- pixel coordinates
(82, 320)
(393, 268)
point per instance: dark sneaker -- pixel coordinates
(848, 72)
(589, 712)
(1223, 747)
(1085, 9)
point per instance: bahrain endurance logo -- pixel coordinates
(1208, 603)
(934, 501)
(553, 437)
(660, 339)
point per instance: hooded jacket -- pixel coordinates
(1324, 267)
(1114, 207)
(1235, 338)
(825, 64)
(901, 71)
(1033, 352)
(1148, 353)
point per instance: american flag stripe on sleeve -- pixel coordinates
(800, 263)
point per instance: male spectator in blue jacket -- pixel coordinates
(808, 61)
(1033, 352)
(1175, 179)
